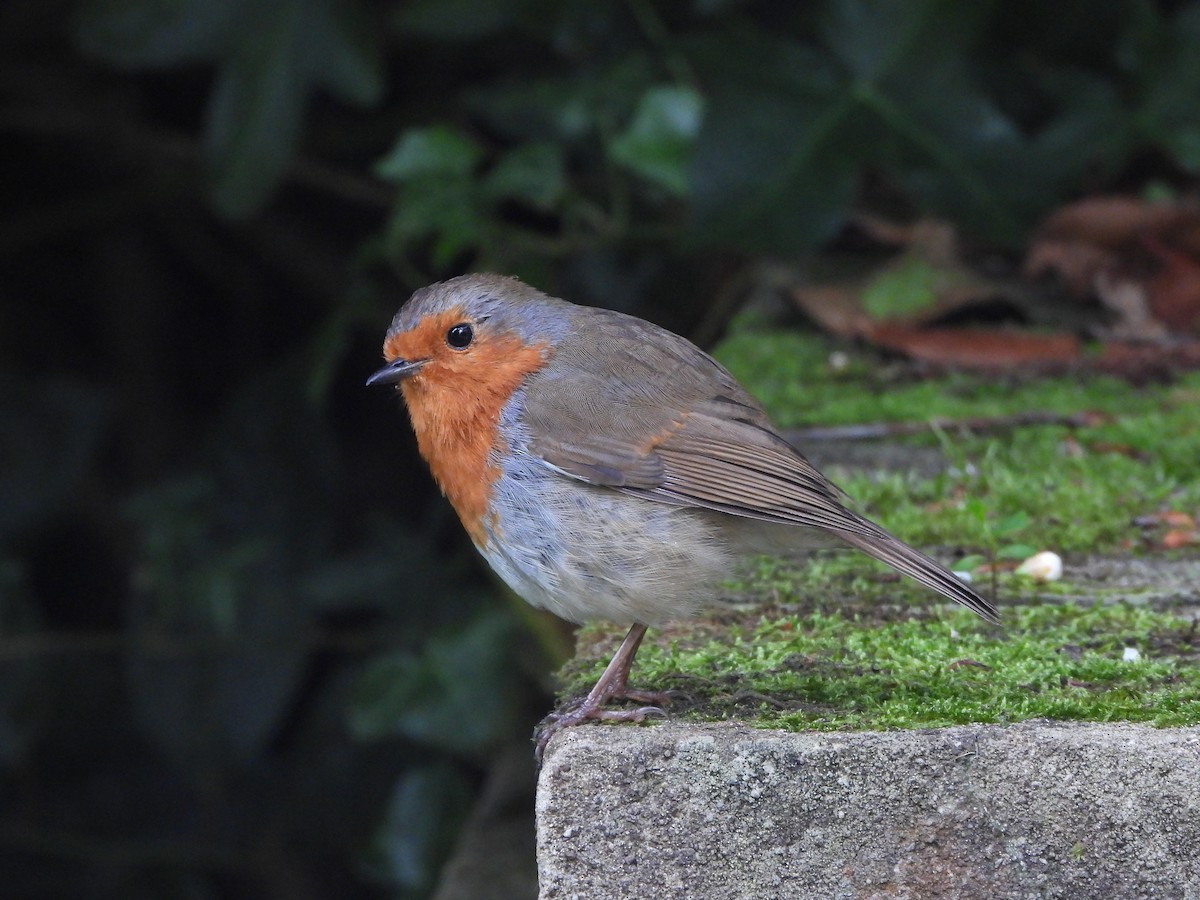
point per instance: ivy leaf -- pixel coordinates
(1091, 133)
(789, 126)
(424, 152)
(444, 209)
(769, 172)
(565, 108)
(434, 697)
(439, 197)
(969, 562)
(909, 84)
(657, 144)
(532, 173)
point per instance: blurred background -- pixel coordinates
(245, 650)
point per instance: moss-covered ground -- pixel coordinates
(836, 641)
(1079, 488)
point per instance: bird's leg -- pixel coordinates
(612, 684)
(618, 686)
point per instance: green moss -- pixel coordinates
(829, 670)
(1080, 488)
(844, 646)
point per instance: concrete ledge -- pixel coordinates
(1036, 810)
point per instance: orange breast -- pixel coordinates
(455, 403)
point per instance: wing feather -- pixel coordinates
(695, 438)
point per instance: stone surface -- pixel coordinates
(1036, 810)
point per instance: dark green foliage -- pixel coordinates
(763, 117)
(966, 112)
(244, 649)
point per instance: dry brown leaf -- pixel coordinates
(1141, 259)
(1171, 517)
(834, 307)
(934, 239)
(1176, 538)
(1139, 361)
(1076, 263)
(1174, 293)
(1114, 222)
(979, 349)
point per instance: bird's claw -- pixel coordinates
(650, 698)
(629, 715)
(581, 712)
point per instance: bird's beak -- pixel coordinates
(396, 371)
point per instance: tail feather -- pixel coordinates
(912, 562)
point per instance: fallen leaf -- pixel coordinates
(834, 307)
(980, 349)
(1140, 259)
(1174, 293)
(1177, 519)
(934, 239)
(1074, 262)
(1097, 233)
(1176, 538)
(1138, 361)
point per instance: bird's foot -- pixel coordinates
(590, 708)
(611, 685)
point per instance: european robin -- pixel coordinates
(607, 468)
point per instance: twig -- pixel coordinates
(871, 431)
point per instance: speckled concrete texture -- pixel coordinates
(1037, 810)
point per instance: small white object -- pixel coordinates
(1131, 654)
(1044, 566)
(962, 576)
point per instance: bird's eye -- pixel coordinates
(460, 336)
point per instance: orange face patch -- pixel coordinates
(454, 403)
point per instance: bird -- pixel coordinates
(607, 468)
